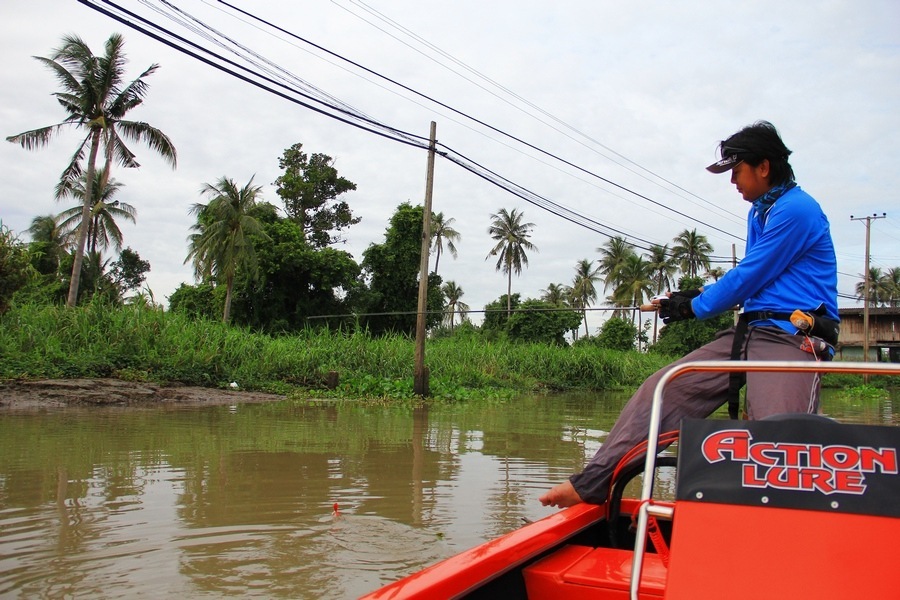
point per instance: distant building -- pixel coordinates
(884, 334)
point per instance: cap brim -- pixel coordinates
(726, 164)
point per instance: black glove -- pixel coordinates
(677, 307)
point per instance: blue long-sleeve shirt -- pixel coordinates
(789, 264)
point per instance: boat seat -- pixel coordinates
(585, 573)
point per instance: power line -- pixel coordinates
(476, 120)
(346, 114)
(439, 51)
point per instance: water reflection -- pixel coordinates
(236, 501)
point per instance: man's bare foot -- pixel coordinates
(562, 495)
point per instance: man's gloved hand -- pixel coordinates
(677, 307)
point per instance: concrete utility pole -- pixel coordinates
(420, 373)
(868, 221)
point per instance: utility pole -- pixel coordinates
(868, 221)
(420, 372)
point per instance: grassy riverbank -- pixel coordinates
(39, 342)
(133, 344)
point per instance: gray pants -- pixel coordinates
(698, 395)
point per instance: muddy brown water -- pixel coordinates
(236, 499)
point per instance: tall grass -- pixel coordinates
(97, 340)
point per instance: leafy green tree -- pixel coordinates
(392, 271)
(617, 334)
(497, 313)
(15, 266)
(196, 301)
(682, 337)
(296, 280)
(442, 231)
(511, 235)
(97, 100)
(129, 271)
(222, 243)
(584, 292)
(455, 306)
(310, 187)
(691, 251)
(102, 226)
(537, 321)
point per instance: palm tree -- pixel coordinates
(512, 242)
(556, 294)
(54, 239)
(455, 306)
(612, 256)
(583, 290)
(879, 287)
(691, 251)
(715, 273)
(442, 230)
(892, 285)
(634, 283)
(95, 101)
(662, 267)
(222, 243)
(102, 227)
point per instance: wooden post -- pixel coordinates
(331, 380)
(420, 372)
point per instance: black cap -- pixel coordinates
(726, 164)
(731, 156)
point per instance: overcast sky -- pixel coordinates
(637, 93)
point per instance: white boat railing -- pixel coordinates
(676, 371)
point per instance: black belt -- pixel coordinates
(823, 327)
(765, 315)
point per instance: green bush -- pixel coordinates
(15, 266)
(617, 334)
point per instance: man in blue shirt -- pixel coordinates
(789, 266)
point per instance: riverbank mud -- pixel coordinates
(55, 393)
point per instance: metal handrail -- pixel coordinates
(748, 366)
